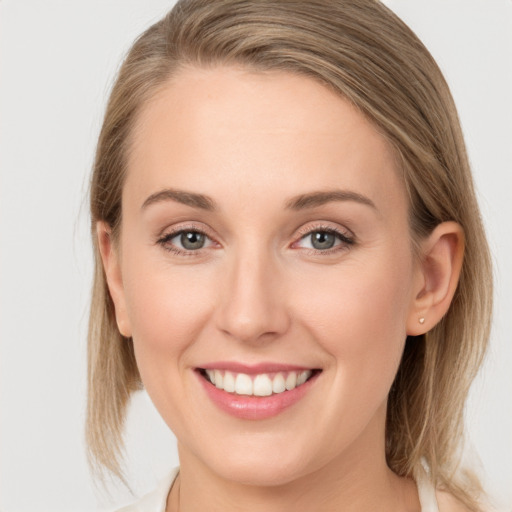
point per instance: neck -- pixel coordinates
(356, 480)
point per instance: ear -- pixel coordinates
(437, 273)
(111, 264)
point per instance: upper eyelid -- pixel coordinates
(174, 234)
(308, 229)
(183, 227)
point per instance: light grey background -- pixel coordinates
(57, 61)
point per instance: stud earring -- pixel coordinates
(422, 320)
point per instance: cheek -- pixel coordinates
(359, 320)
(168, 307)
(359, 317)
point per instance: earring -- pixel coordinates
(422, 320)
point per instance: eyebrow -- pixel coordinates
(301, 202)
(188, 198)
(314, 199)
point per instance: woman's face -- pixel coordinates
(264, 234)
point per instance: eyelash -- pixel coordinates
(345, 239)
(164, 241)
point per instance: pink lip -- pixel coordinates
(254, 407)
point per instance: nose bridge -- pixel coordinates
(252, 304)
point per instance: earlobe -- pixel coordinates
(439, 270)
(111, 265)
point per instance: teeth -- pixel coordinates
(278, 384)
(219, 379)
(303, 377)
(291, 381)
(229, 382)
(243, 384)
(262, 385)
(258, 385)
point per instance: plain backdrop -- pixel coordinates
(58, 59)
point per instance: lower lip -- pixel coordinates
(255, 407)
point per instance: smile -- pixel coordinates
(256, 393)
(261, 384)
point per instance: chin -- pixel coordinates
(260, 473)
(265, 465)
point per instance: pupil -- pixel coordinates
(192, 240)
(322, 240)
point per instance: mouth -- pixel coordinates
(256, 392)
(263, 384)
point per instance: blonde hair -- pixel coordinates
(361, 50)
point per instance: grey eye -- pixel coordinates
(322, 240)
(192, 240)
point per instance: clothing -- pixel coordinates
(156, 501)
(426, 491)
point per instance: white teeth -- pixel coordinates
(262, 385)
(211, 375)
(219, 380)
(278, 384)
(229, 382)
(243, 384)
(291, 381)
(303, 377)
(257, 385)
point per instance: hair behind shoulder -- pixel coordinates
(365, 53)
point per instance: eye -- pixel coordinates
(324, 240)
(185, 241)
(190, 240)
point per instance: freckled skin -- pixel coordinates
(257, 292)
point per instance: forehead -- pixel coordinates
(281, 132)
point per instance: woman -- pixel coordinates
(290, 259)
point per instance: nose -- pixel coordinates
(252, 306)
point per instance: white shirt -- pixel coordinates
(156, 500)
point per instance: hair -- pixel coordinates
(365, 53)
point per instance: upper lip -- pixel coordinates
(251, 369)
